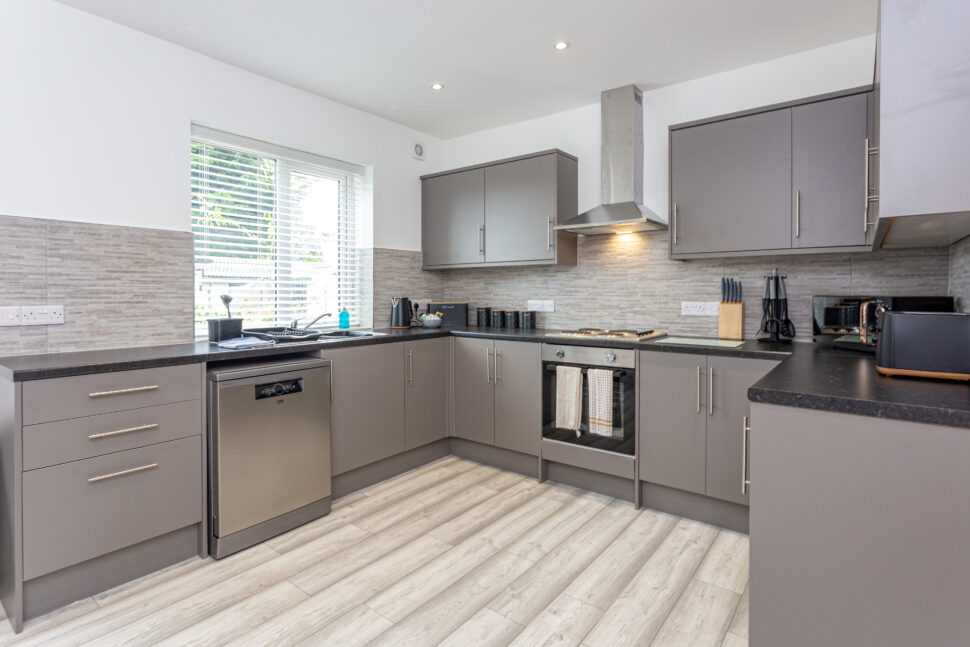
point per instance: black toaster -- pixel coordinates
(925, 344)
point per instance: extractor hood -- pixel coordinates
(621, 168)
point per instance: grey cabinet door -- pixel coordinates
(924, 141)
(672, 419)
(520, 210)
(731, 377)
(829, 160)
(425, 391)
(453, 210)
(367, 419)
(518, 396)
(474, 391)
(731, 185)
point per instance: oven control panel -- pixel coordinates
(589, 355)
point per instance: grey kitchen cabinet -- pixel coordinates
(924, 147)
(730, 184)
(829, 158)
(367, 419)
(728, 381)
(518, 395)
(790, 178)
(453, 218)
(500, 213)
(474, 395)
(519, 219)
(426, 391)
(860, 524)
(498, 393)
(691, 413)
(672, 419)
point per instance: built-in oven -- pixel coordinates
(589, 397)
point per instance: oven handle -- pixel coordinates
(617, 372)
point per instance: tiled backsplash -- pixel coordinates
(120, 286)
(628, 282)
(960, 273)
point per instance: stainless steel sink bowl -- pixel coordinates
(352, 333)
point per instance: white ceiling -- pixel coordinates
(494, 57)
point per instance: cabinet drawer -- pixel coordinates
(76, 511)
(51, 443)
(87, 395)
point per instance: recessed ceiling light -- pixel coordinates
(436, 86)
(561, 45)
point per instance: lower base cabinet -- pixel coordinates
(426, 391)
(692, 417)
(498, 393)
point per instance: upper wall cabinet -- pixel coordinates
(501, 213)
(924, 102)
(785, 179)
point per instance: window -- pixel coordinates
(276, 229)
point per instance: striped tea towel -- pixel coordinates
(600, 401)
(569, 397)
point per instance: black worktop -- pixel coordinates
(809, 376)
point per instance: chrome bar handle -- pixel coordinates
(869, 197)
(133, 470)
(698, 388)
(108, 434)
(798, 214)
(410, 368)
(710, 391)
(549, 235)
(481, 240)
(675, 223)
(745, 430)
(137, 389)
(495, 361)
(331, 381)
(488, 367)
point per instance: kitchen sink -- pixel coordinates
(352, 333)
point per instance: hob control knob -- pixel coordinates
(611, 357)
(559, 353)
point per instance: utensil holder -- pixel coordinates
(730, 321)
(223, 329)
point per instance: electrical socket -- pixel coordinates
(540, 305)
(41, 315)
(699, 308)
(10, 316)
(549, 306)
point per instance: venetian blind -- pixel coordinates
(275, 228)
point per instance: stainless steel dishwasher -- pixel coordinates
(269, 449)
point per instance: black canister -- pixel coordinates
(511, 318)
(528, 319)
(484, 317)
(498, 318)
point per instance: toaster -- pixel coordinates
(924, 344)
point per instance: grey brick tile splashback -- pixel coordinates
(120, 286)
(628, 282)
(959, 276)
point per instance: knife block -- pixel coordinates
(730, 321)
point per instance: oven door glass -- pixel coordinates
(621, 441)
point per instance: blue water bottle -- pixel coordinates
(344, 318)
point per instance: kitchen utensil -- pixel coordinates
(484, 317)
(498, 318)
(511, 318)
(775, 324)
(400, 312)
(730, 312)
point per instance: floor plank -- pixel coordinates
(476, 518)
(733, 640)
(543, 537)
(641, 608)
(739, 624)
(355, 628)
(726, 564)
(484, 629)
(562, 624)
(700, 618)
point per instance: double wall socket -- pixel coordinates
(40, 315)
(540, 305)
(699, 308)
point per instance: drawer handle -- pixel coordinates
(105, 477)
(108, 434)
(137, 389)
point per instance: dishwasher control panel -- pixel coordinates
(276, 389)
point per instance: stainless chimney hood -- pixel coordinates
(621, 169)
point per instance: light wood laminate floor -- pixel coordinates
(453, 553)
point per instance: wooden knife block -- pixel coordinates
(730, 321)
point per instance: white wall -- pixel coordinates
(95, 118)
(835, 67)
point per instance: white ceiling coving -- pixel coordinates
(495, 58)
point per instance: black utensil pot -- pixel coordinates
(498, 318)
(528, 319)
(400, 312)
(484, 317)
(223, 329)
(511, 318)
